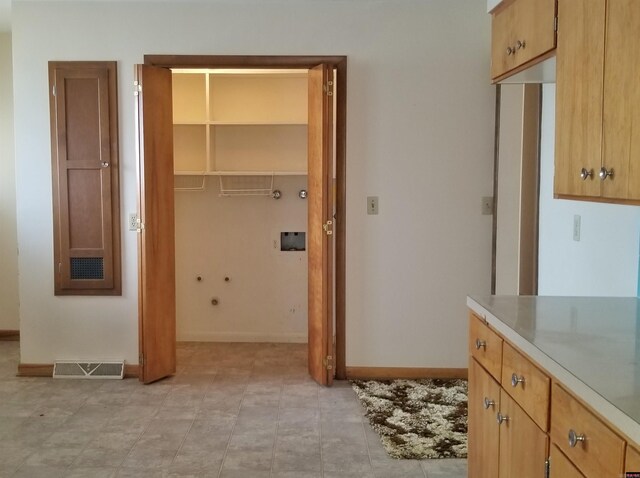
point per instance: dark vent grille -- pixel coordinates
(87, 268)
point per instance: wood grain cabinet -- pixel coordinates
(561, 467)
(485, 346)
(583, 438)
(597, 153)
(632, 460)
(522, 33)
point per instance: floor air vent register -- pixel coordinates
(92, 370)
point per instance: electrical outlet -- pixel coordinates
(134, 221)
(487, 206)
(372, 205)
(576, 228)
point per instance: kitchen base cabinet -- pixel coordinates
(561, 467)
(523, 446)
(632, 462)
(483, 439)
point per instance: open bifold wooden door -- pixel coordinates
(320, 224)
(156, 238)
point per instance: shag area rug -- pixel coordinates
(417, 418)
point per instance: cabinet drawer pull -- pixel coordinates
(488, 403)
(481, 344)
(515, 380)
(604, 174)
(520, 44)
(501, 418)
(574, 438)
(510, 51)
(584, 174)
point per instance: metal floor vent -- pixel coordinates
(70, 369)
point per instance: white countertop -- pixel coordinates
(590, 344)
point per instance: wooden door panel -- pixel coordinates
(579, 93)
(483, 428)
(320, 211)
(621, 116)
(523, 446)
(84, 135)
(632, 461)
(156, 240)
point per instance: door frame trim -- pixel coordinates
(339, 63)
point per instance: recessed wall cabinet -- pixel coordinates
(84, 159)
(240, 123)
(522, 34)
(522, 422)
(597, 154)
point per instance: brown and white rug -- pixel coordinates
(417, 418)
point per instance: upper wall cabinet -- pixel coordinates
(597, 101)
(522, 34)
(227, 123)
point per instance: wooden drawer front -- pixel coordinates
(601, 453)
(531, 389)
(561, 467)
(485, 346)
(632, 462)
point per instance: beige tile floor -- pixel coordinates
(231, 411)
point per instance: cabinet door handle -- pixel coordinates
(487, 403)
(481, 344)
(520, 44)
(515, 380)
(574, 438)
(104, 164)
(584, 174)
(501, 418)
(604, 174)
(510, 51)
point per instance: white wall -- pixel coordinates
(419, 136)
(239, 237)
(9, 313)
(605, 260)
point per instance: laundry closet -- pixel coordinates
(240, 164)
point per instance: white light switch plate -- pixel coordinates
(372, 205)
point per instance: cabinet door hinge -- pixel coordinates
(328, 362)
(547, 467)
(141, 360)
(137, 88)
(327, 227)
(59, 267)
(328, 88)
(555, 24)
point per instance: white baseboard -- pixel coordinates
(241, 337)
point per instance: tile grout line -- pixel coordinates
(275, 438)
(320, 423)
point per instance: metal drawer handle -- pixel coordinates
(501, 418)
(488, 403)
(515, 380)
(584, 174)
(604, 174)
(481, 344)
(574, 438)
(520, 44)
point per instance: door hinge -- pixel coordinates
(137, 88)
(59, 267)
(328, 362)
(555, 24)
(327, 227)
(53, 90)
(328, 88)
(141, 360)
(547, 467)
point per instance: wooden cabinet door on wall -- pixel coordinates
(621, 113)
(84, 151)
(579, 92)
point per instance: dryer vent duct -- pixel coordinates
(71, 369)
